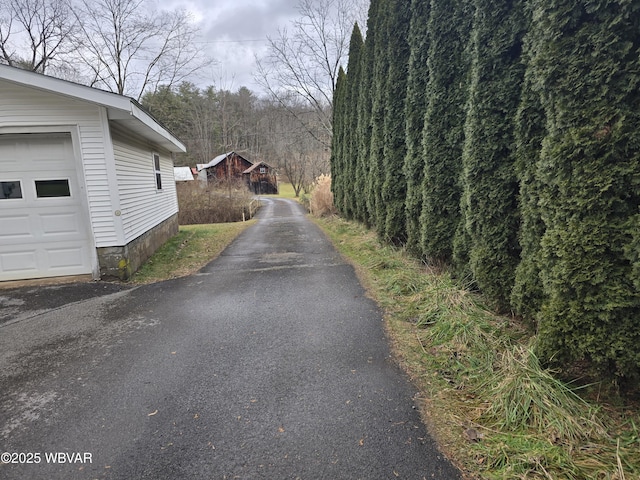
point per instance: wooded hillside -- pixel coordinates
(502, 138)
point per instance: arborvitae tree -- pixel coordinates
(337, 159)
(415, 105)
(530, 123)
(449, 25)
(394, 187)
(363, 132)
(633, 249)
(489, 199)
(350, 124)
(375, 205)
(587, 72)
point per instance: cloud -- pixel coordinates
(234, 32)
(242, 19)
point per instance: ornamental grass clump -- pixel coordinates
(321, 201)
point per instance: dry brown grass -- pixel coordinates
(208, 203)
(321, 201)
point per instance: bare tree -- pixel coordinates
(305, 61)
(36, 35)
(127, 48)
(288, 145)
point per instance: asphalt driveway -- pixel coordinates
(270, 363)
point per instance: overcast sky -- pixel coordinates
(233, 31)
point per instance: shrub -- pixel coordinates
(362, 142)
(321, 201)
(415, 106)
(394, 184)
(527, 292)
(338, 158)
(350, 152)
(588, 175)
(214, 203)
(380, 71)
(443, 134)
(489, 197)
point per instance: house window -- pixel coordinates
(263, 169)
(10, 190)
(156, 169)
(52, 188)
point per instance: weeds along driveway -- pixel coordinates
(268, 363)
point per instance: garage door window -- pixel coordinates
(52, 188)
(10, 190)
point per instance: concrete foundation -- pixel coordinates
(122, 262)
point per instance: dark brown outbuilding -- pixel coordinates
(261, 178)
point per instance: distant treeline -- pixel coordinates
(502, 138)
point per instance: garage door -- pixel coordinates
(44, 231)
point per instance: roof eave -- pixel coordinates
(153, 125)
(119, 107)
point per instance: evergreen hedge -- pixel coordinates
(350, 122)
(448, 30)
(544, 143)
(588, 74)
(394, 186)
(363, 132)
(489, 199)
(530, 129)
(338, 142)
(415, 106)
(378, 86)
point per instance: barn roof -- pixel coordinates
(219, 159)
(256, 165)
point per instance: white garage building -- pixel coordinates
(86, 180)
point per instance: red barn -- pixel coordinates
(261, 179)
(228, 166)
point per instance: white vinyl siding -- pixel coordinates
(143, 206)
(29, 107)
